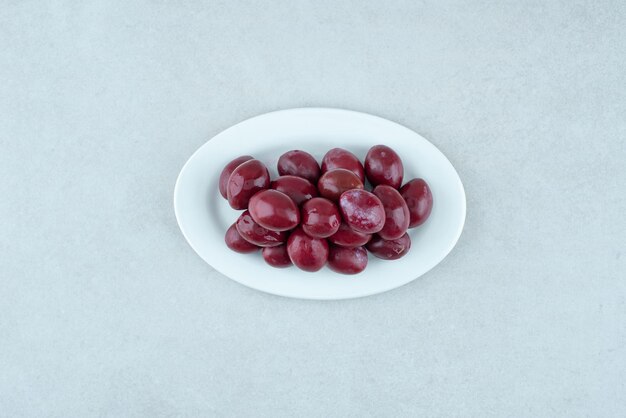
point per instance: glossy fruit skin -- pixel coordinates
(347, 237)
(274, 210)
(347, 260)
(320, 217)
(307, 253)
(256, 234)
(245, 180)
(419, 200)
(396, 212)
(362, 211)
(297, 188)
(299, 163)
(277, 256)
(341, 158)
(334, 182)
(235, 241)
(384, 166)
(389, 249)
(228, 170)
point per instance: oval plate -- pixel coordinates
(203, 215)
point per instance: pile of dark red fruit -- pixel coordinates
(293, 221)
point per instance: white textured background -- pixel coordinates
(106, 311)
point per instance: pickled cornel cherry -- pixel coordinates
(362, 211)
(396, 212)
(383, 166)
(228, 170)
(247, 179)
(307, 253)
(299, 163)
(320, 217)
(347, 260)
(419, 199)
(235, 242)
(274, 210)
(297, 188)
(347, 237)
(256, 234)
(334, 182)
(341, 158)
(295, 217)
(276, 256)
(389, 249)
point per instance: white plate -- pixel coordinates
(203, 215)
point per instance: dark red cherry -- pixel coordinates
(384, 166)
(235, 242)
(247, 179)
(276, 256)
(307, 253)
(334, 182)
(256, 234)
(362, 211)
(299, 163)
(389, 249)
(228, 170)
(347, 237)
(347, 260)
(341, 158)
(274, 210)
(419, 200)
(320, 217)
(396, 212)
(297, 188)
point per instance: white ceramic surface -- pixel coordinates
(203, 215)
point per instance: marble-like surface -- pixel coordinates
(106, 311)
